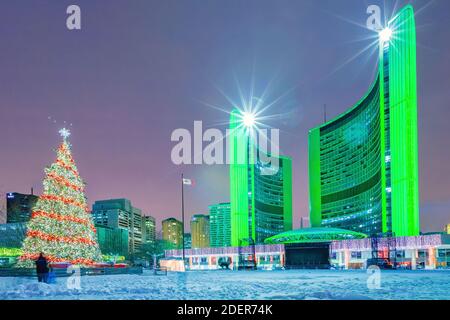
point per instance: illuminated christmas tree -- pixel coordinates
(61, 226)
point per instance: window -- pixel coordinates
(444, 253)
(423, 253)
(356, 255)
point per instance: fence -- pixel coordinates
(62, 272)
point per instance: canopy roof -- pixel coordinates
(311, 235)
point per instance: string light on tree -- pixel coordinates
(61, 226)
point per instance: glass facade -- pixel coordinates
(119, 213)
(220, 225)
(350, 172)
(148, 230)
(19, 207)
(261, 204)
(12, 234)
(272, 193)
(113, 241)
(363, 165)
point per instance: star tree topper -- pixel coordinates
(65, 133)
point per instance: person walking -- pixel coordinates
(42, 268)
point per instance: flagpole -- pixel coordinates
(182, 214)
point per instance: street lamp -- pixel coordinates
(385, 34)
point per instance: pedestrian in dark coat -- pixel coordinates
(42, 268)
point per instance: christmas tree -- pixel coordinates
(61, 226)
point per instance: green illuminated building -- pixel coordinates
(261, 203)
(220, 225)
(314, 235)
(113, 241)
(363, 165)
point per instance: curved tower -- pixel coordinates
(363, 165)
(260, 203)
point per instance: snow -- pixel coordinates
(248, 285)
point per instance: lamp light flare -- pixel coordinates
(248, 119)
(386, 34)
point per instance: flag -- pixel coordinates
(188, 182)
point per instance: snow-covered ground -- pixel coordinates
(293, 284)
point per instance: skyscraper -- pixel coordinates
(172, 233)
(187, 241)
(363, 165)
(200, 231)
(119, 213)
(261, 203)
(220, 225)
(148, 230)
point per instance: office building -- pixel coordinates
(260, 192)
(19, 207)
(119, 213)
(113, 241)
(148, 230)
(363, 164)
(12, 235)
(172, 232)
(220, 225)
(187, 241)
(200, 231)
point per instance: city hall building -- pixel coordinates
(313, 248)
(419, 252)
(260, 203)
(363, 183)
(363, 165)
(267, 257)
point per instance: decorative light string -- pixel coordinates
(55, 238)
(62, 218)
(64, 200)
(50, 258)
(67, 167)
(65, 182)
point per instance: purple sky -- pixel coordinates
(140, 69)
